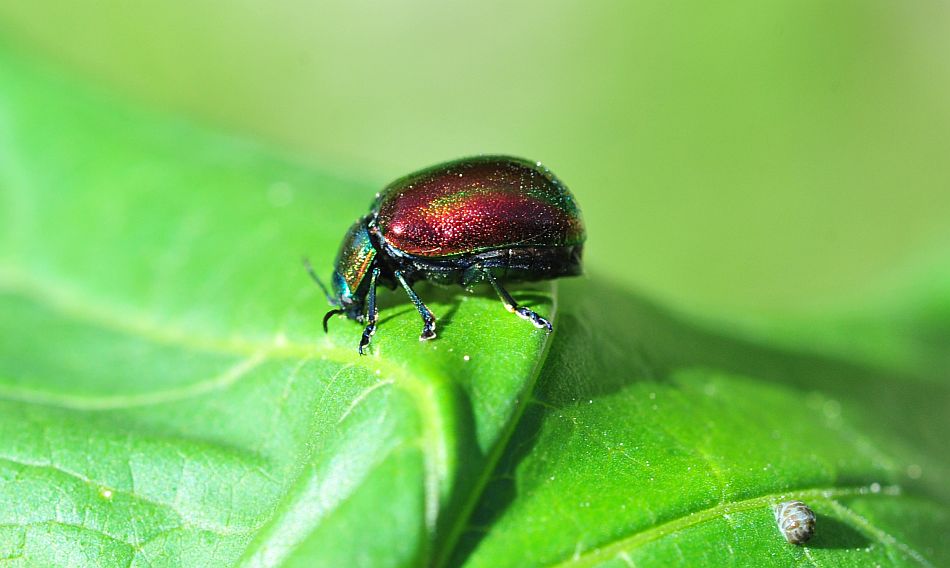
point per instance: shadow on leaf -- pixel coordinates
(831, 533)
(608, 340)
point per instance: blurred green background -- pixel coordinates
(733, 159)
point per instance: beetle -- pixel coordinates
(494, 219)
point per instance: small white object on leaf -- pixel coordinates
(796, 521)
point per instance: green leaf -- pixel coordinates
(166, 393)
(168, 398)
(670, 444)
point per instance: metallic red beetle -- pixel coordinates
(492, 219)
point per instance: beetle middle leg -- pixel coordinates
(428, 320)
(372, 313)
(512, 306)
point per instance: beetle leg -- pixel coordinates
(513, 307)
(428, 320)
(372, 313)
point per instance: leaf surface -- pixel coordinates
(670, 444)
(167, 397)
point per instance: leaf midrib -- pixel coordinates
(71, 304)
(444, 553)
(619, 547)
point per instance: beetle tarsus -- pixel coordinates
(512, 306)
(428, 330)
(372, 313)
(538, 321)
(368, 333)
(428, 319)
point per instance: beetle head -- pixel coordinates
(349, 301)
(349, 283)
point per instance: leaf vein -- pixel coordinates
(614, 549)
(182, 519)
(878, 533)
(71, 303)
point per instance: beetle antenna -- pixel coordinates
(313, 275)
(329, 315)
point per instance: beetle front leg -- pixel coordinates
(513, 307)
(428, 320)
(372, 314)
